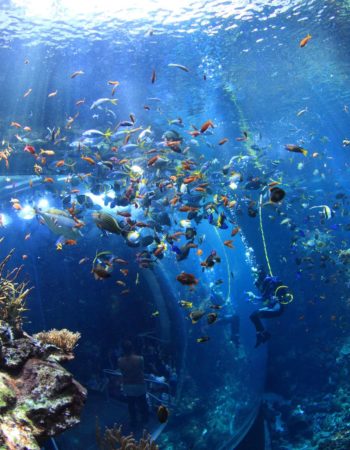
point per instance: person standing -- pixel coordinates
(134, 386)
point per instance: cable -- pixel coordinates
(288, 297)
(263, 236)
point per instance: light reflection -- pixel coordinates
(168, 11)
(27, 212)
(43, 203)
(104, 8)
(5, 220)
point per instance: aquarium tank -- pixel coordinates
(174, 224)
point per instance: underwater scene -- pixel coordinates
(174, 225)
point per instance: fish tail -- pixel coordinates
(114, 101)
(304, 152)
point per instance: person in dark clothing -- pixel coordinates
(273, 307)
(134, 386)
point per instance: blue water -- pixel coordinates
(246, 73)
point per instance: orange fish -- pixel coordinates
(48, 180)
(124, 272)
(228, 243)
(79, 225)
(15, 124)
(152, 160)
(24, 257)
(27, 129)
(187, 279)
(113, 83)
(206, 125)
(305, 40)
(223, 141)
(225, 200)
(187, 208)
(60, 163)
(235, 231)
(17, 206)
(88, 159)
(127, 139)
(174, 200)
(200, 189)
(160, 249)
(244, 138)
(70, 242)
(199, 252)
(172, 143)
(190, 179)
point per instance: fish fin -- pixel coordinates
(304, 152)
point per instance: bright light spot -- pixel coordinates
(133, 237)
(5, 219)
(26, 213)
(70, 9)
(97, 199)
(233, 185)
(110, 194)
(136, 169)
(43, 203)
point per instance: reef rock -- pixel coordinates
(38, 397)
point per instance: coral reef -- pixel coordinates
(316, 417)
(113, 439)
(64, 340)
(12, 296)
(38, 397)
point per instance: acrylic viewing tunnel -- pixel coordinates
(165, 64)
(217, 387)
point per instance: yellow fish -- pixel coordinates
(185, 304)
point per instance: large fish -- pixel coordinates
(60, 223)
(106, 222)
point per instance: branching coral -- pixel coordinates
(113, 439)
(63, 339)
(12, 295)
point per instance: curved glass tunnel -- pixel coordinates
(212, 389)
